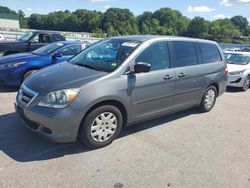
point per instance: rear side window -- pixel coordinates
(156, 55)
(209, 53)
(185, 54)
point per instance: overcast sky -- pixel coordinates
(209, 9)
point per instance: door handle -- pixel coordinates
(181, 75)
(167, 77)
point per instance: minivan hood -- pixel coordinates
(61, 76)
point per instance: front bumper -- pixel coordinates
(58, 125)
(236, 80)
(10, 78)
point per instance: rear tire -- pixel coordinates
(100, 127)
(246, 84)
(209, 99)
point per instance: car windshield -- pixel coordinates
(238, 59)
(26, 36)
(106, 55)
(48, 48)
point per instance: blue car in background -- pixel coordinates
(14, 69)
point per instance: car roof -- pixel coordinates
(143, 38)
(47, 32)
(70, 42)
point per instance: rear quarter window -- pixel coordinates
(209, 53)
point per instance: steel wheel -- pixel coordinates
(103, 127)
(210, 98)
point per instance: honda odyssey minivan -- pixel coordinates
(119, 82)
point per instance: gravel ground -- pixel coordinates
(187, 149)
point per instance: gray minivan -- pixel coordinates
(118, 82)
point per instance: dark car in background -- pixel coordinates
(17, 67)
(119, 82)
(30, 41)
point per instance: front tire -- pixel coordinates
(101, 126)
(246, 84)
(209, 99)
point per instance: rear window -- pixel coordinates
(209, 53)
(185, 53)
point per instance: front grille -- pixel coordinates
(26, 95)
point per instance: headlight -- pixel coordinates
(237, 72)
(11, 65)
(59, 99)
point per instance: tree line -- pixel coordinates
(116, 21)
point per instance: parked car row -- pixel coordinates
(114, 83)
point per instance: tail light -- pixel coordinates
(226, 71)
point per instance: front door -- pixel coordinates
(38, 41)
(152, 92)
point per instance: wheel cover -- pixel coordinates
(210, 98)
(103, 127)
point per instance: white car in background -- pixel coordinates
(238, 64)
(1, 37)
(233, 49)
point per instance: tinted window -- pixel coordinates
(209, 53)
(71, 50)
(156, 55)
(185, 54)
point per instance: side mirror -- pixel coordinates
(142, 67)
(56, 55)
